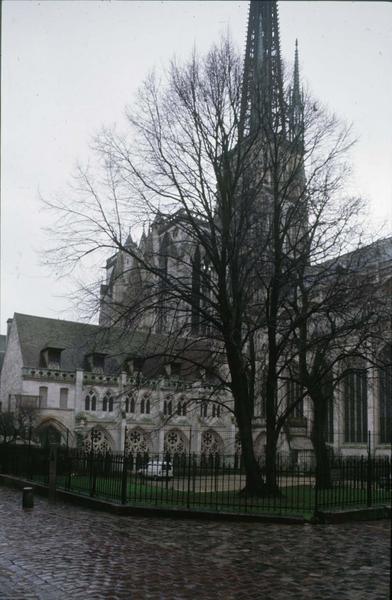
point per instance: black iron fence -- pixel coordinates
(205, 482)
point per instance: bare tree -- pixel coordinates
(341, 310)
(18, 425)
(232, 207)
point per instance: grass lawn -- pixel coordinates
(294, 499)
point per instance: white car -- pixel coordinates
(157, 469)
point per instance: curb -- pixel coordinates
(357, 514)
(151, 511)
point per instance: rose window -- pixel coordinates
(96, 440)
(174, 443)
(137, 441)
(210, 443)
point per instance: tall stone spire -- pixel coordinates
(262, 92)
(296, 112)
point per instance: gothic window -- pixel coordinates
(181, 408)
(43, 397)
(145, 405)
(90, 401)
(111, 402)
(355, 406)
(167, 406)
(216, 410)
(203, 409)
(129, 404)
(105, 402)
(295, 398)
(385, 396)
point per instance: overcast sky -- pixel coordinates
(70, 67)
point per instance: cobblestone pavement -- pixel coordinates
(58, 552)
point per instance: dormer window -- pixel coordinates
(51, 357)
(95, 362)
(173, 370)
(134, 366)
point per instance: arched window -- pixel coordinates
(167, 407)
(355, 406)
(148, 405)
(105, 403)
(295, 398)
(110, 403)
(129, 404)
(181, 408)
(385, 395)
(90, 401)
(142, 403)
(203, 409)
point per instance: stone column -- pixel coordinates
(79, 406)
(161, 440)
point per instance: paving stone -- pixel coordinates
(62, 552)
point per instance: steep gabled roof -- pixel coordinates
(81, 339)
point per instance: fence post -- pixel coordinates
(189, 480)
(124, 480)
(52, 471)
(93, 473)
(369, 475)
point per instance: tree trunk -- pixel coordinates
(255, 484)
(270, 463)
(272, 434)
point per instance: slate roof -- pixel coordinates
(81, 339)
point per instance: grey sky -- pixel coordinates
(70, 67)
